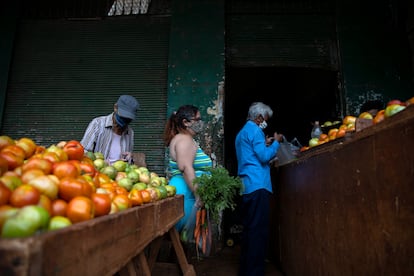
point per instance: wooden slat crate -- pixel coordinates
(101, 246)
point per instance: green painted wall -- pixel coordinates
(374, 53)
(8, 19)
(196, 65)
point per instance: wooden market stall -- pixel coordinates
(347, 207)
(102, 246)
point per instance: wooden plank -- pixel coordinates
(101, 246)
(348, 208)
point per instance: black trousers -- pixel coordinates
(255, 208)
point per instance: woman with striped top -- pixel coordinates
(186, 159)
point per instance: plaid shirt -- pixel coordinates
(98, 136)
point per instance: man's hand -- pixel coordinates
(278, 137)
(127, 156)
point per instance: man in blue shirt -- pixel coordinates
(254, 151)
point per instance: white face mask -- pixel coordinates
(263, 125)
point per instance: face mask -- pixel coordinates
(121, 122)
(197, 127)
(263, 125)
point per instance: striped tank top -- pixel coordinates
(202, 162)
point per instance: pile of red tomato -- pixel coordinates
(49, 188)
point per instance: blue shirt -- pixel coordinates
(253, 157)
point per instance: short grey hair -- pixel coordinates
(258, 108)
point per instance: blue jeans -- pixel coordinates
(255, 209)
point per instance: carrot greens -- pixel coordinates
(218, 190)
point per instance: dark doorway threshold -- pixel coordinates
(298, 96)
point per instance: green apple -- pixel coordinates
(313, 142)
(120, 165)
(90, 155)
(25, 222)
(134, 176)
(58, 222)
(126, 183)
(171, 190)
(393, 109)
(120, 175)
(163, 180)
(109, 171)
(99, 155)
(155, 181)
(99, 164)
(139, 186)
(34, 214)
(17, 228)
(163, 191)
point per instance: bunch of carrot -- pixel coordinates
(201, 230)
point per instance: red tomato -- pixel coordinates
(74, 150)
(65, 169)
(5, 193)
(13, 160)
(135, 197)
(121, 190)
(146, 196)
(51, 156)
(11, 181)
(46, 203)
(62, 155)
(38, 163)
(70, 187)
(59, 207)
(46, 184)
(24, 195)
(39, 149)
(102, 204)
(101, 178)
(16, 150)
(87, 168)
(28, 145)
(121, 201)
(80, 208)
(6, 141)
(4, 166)
(30, 174)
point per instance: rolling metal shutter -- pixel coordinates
(281, 40)
(65, 72)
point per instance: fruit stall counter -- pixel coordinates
(347, 208)
(102, 246)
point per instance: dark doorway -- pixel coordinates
(298, 96)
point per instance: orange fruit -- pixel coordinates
(323, 137)
(146, 196)
(340, 133)
(365, 115)
(349, 119)
(379, 117)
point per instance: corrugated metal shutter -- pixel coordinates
(65, 73)
(270, 40)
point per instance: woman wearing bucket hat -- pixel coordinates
(111, 134)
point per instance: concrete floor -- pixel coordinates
(223, 263)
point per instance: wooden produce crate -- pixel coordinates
(101, 246)
(347, 207)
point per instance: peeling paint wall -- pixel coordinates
(196, 67)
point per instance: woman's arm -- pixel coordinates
(185, 150)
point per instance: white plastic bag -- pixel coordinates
(288, 151)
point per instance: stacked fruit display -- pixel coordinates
(48, 188)
(339, 129)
